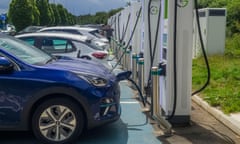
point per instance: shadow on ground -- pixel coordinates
(203, 129)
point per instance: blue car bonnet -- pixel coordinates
(81, 66)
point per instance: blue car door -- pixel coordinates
(16, 88)
(11, 98)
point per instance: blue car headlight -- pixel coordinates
(93, 79)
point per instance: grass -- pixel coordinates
(223, 92)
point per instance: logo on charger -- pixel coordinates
(154, 10)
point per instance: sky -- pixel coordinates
(79, 7)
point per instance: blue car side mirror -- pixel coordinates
(5, 66)
(123, 75)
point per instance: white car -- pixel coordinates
(66, 44)
(90, 32)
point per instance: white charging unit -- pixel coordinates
(136, 13)
(213, 30)
(176, 52)
(150, 36)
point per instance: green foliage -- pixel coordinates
(233, 46)
(36, 13)
(101, 18)
(223, 91)
(63, 13)
(98, 18)
(233, 19)
(45, 12)
(55, 14)
(21, 13)
(233, 13)
(114, 11)
(213, 3)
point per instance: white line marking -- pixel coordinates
(128, 102)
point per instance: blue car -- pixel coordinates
(56, 98)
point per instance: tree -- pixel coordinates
(62, 13)
(45, 12)
(114, 11)
(21, 13)
(98, 18)
(101, 18)
(233, 18)
(56, 14)
(36, 13)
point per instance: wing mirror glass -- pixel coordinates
(5, 66)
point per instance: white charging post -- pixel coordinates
(171, 37)
(176, 55)
(150, 42)
(136, 11)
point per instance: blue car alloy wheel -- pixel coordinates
(58, 120)
(55, 97)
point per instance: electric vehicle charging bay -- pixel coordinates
(134, 128)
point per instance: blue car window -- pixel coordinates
(23, 51)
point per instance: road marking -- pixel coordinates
(128, 102)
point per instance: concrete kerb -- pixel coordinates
(231, 121)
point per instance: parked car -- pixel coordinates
(8, 29)
(65, 44)
(90, 32)
(55, 98)
(30, 29)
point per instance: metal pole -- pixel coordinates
(134, 66)
(128, 60)
(155, 104)
(155, 90)
(125, 59)
(141, 74)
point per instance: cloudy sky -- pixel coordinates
(79, 7)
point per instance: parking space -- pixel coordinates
(132, 128)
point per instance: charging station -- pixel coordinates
(136, 20)
(150, 35)
(175, 82)
(127, 16)
(166, 40)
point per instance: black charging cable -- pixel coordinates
(125, 48)
(203, 50)
(125, 31)
(152, 49)
(174, 61)
(140, 92)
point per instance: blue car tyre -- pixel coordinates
(58, 121)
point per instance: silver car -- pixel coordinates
(90, 32)
(66, 44)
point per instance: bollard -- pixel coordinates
(141, 74)
(155, 90)
(124, 58)
(128, 60)
(134, 66)
(155, 101)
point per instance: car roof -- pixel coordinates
(55, 34)
(69, 27)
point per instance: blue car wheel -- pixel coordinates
(58, 121)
